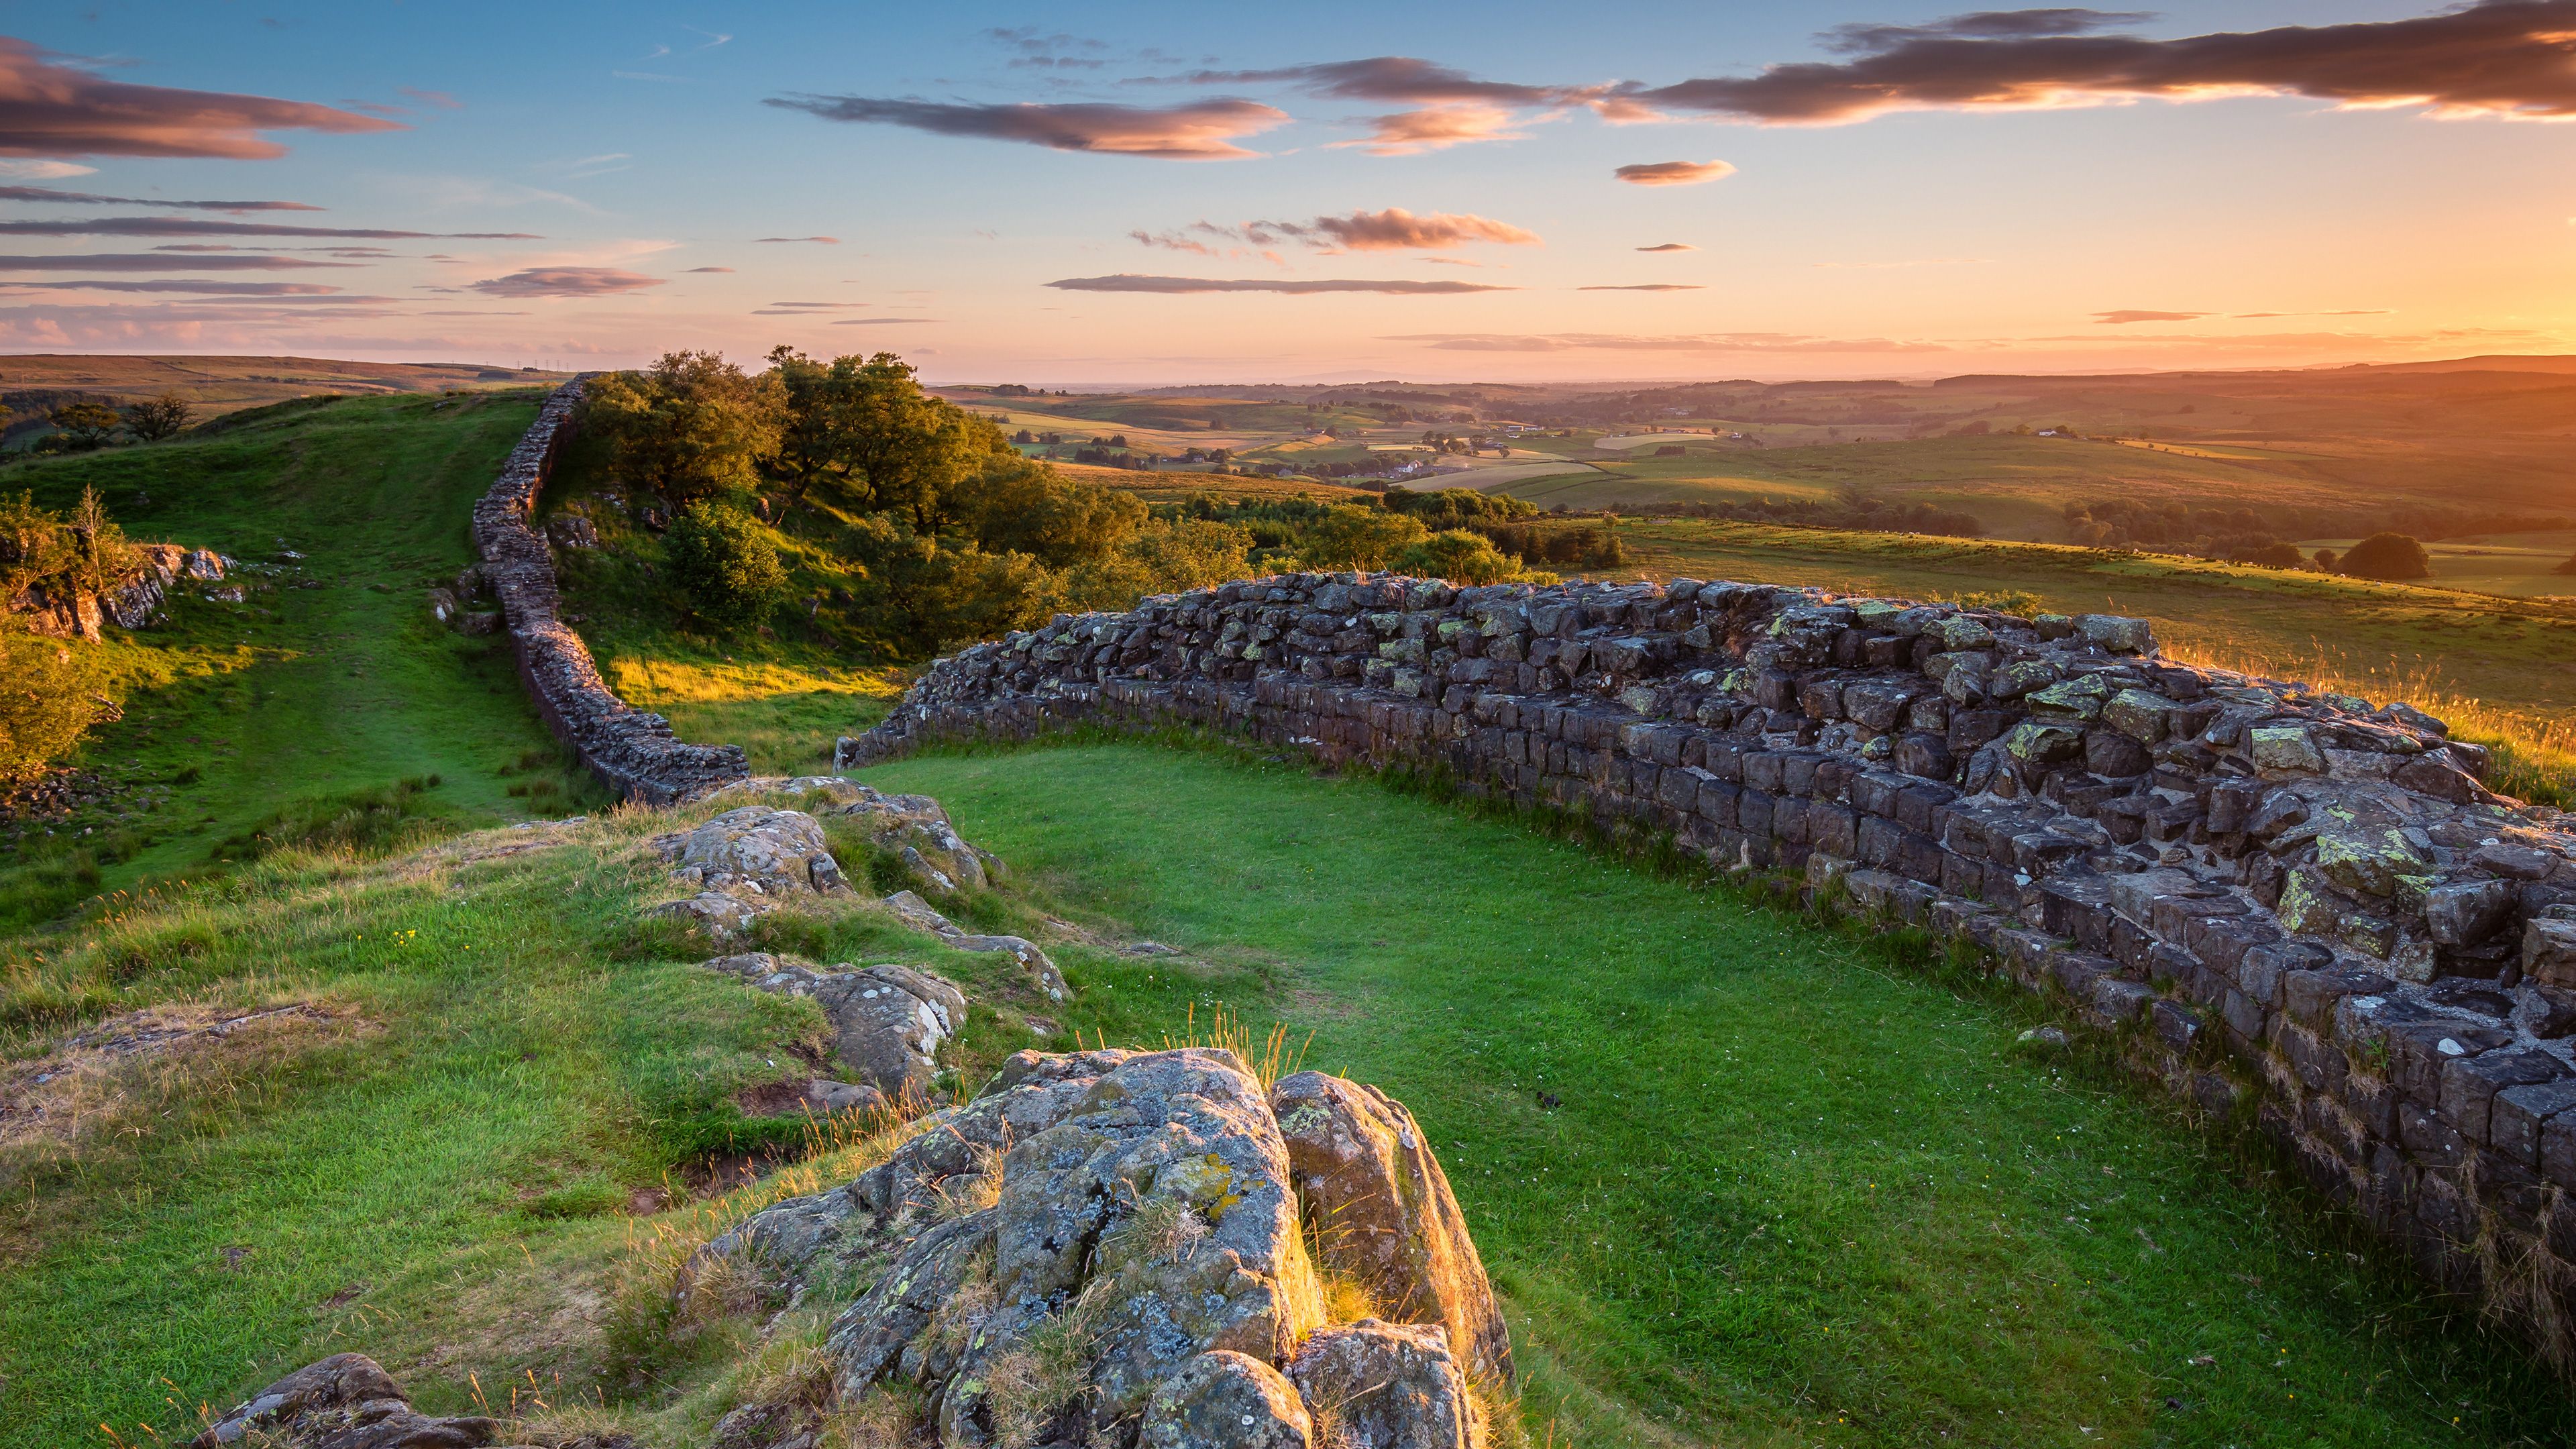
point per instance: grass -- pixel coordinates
(330, 677)
(1789, 1193)
(1791, 1196)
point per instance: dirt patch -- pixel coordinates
(771, 1099)
(98, 1079)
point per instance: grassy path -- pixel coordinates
(331, 676)
(1788, 1197)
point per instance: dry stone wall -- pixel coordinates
(633, 751)
(2287, 902)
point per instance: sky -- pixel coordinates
(1149, 193)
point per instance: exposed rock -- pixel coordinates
(719, 916)
(345, 1401)
(1226, 1400)
(1363, 1171)
(917, 913)
(1105, 1247)
(1385, 1386)
(887, 1021)
(755, 850)
(911, 826)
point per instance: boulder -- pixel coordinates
(718, 916)
(1152, 1223)
(1363, 1171)
(757, 851)
(1226, 1400)
(887, 1021)
(346, 1401)
(1374, 1385)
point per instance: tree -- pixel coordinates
(86, 425)
(1348, 536)
(165, 416)
(2324, 558)
(2568, 567)
(865, 438)
(2276, 556)
(49, 697)
(1458, 556)
(689, 427)
(2387, 556)
(725, 566)
(1019, 505)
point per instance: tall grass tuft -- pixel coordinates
(1268, 1060)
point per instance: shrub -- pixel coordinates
(2276, 556)
(2387, 556)
(1458, 556)
(725, 566)
(165, 416)
(926, 594)
(2325, 559)
(1351, 537)
(2568, 567)
(49, 697)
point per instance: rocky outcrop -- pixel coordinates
(888, 1022)
(1110, 1247)
(132, 601)
(2275, 896)
(913, 828)
(1366, 1171)
(632, 751)
(346, 1401)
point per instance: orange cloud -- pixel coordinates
(1670, 247)
(1198, 131)
(1434, 128)
(2133, 315)
(51, 109)
(2514, 58)
(1673, 173)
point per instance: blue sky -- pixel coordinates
(2104, 218)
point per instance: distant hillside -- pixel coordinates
(33, 382)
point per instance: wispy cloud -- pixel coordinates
(1673, 173)
(157, 262)
(1669, 247)
(829, 241)
(1197, 131)
(1132, 282)
(1647, 287)
(710, 269)
(2512, 58)
(1749, 342)
(188, 226)
(883, 321)
(44, 170)
(52, 109)
(84, 198)
(567, 282)
(230, 289)
(2133, 314)
(1394, 229)
(440, 99)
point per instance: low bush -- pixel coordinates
(725, 567)
(2387, 556)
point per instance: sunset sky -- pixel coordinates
(1196, 193)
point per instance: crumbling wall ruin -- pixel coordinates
(633, 751)
(2284, 902)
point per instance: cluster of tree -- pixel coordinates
(2380, 556)
(85, 426)
(844, 482)
(50, 689)
(1457, 534)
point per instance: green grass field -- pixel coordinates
(1796, 1192)
(331, 677)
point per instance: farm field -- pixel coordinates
(218, 385)
(2518, 564)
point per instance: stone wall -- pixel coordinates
(2286, 903)
(633, 751)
